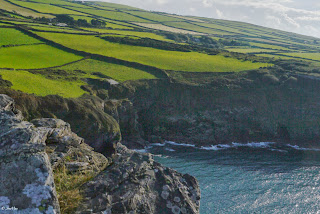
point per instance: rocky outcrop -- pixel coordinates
(135, 183)
(86, 115)
(36, 156)
(27, 184)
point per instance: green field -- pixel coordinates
(155, 17)
(4, 24)
(274, 56)
(117, 6)
(45, 8)
(112, 15)
(59, 29)
(60, 2)
(34, 56)
(313, 56)
(250, 50)
(126, 21)
(117, 72)
(170, 60)
(130, 33)
(192, 27)
(10, 36)
(109, 24)
(22, 11)
(39, 85)
(275, 47)
(229, 30)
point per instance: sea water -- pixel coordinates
(249, 178)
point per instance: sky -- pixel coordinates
(299, 16)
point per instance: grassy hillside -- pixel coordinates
(43, 40)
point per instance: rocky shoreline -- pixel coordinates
(124, 182)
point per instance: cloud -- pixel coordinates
(219, 14)
(207, 3)
(290, 15)
(162, 2)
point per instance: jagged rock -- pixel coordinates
(65, 147)
(131, 185)
(26, 175)
(129, 182)
(125, 114)
(86, 116)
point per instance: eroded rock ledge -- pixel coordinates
(128, 182)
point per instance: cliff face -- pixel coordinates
(39, 158)
(250, 106)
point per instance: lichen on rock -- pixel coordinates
(33, 153)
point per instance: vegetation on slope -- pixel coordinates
(34, 56)
(127, 43)
(169, 60)
(41, 86)
(113, 71)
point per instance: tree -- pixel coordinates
(65, 19)
(82, 22)
(98, 23)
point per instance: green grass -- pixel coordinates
(230, 30)
(59, 2)
(34, 56)
(188, 26)
(111, 25)
(155, 17)
(313, 56)
(131, 33)
(120, 23)
(4, 24)
(22, 11)
(116, 15)
(10, 36)
(275, 47)
(45, 8)
(167, 28)
(117, 72)
(41, 86)
(58, 29)
(116, 26)
(170, 60)
(117, 6)
(249, 50)
(274, 56)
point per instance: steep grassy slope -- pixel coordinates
(169, 60)
(145, 50)
(10, 36)
(38, 84)
(34, 56)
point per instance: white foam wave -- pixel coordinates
(236, 145)
(216, 147)
(179, 144)
(272, 146)
(170, 150)
(254, 144)
(296, 147)
(279, 150)
(157, 144)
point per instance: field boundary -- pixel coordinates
(58, 66)
(159, 73)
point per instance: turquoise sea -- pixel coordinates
(249, 178)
